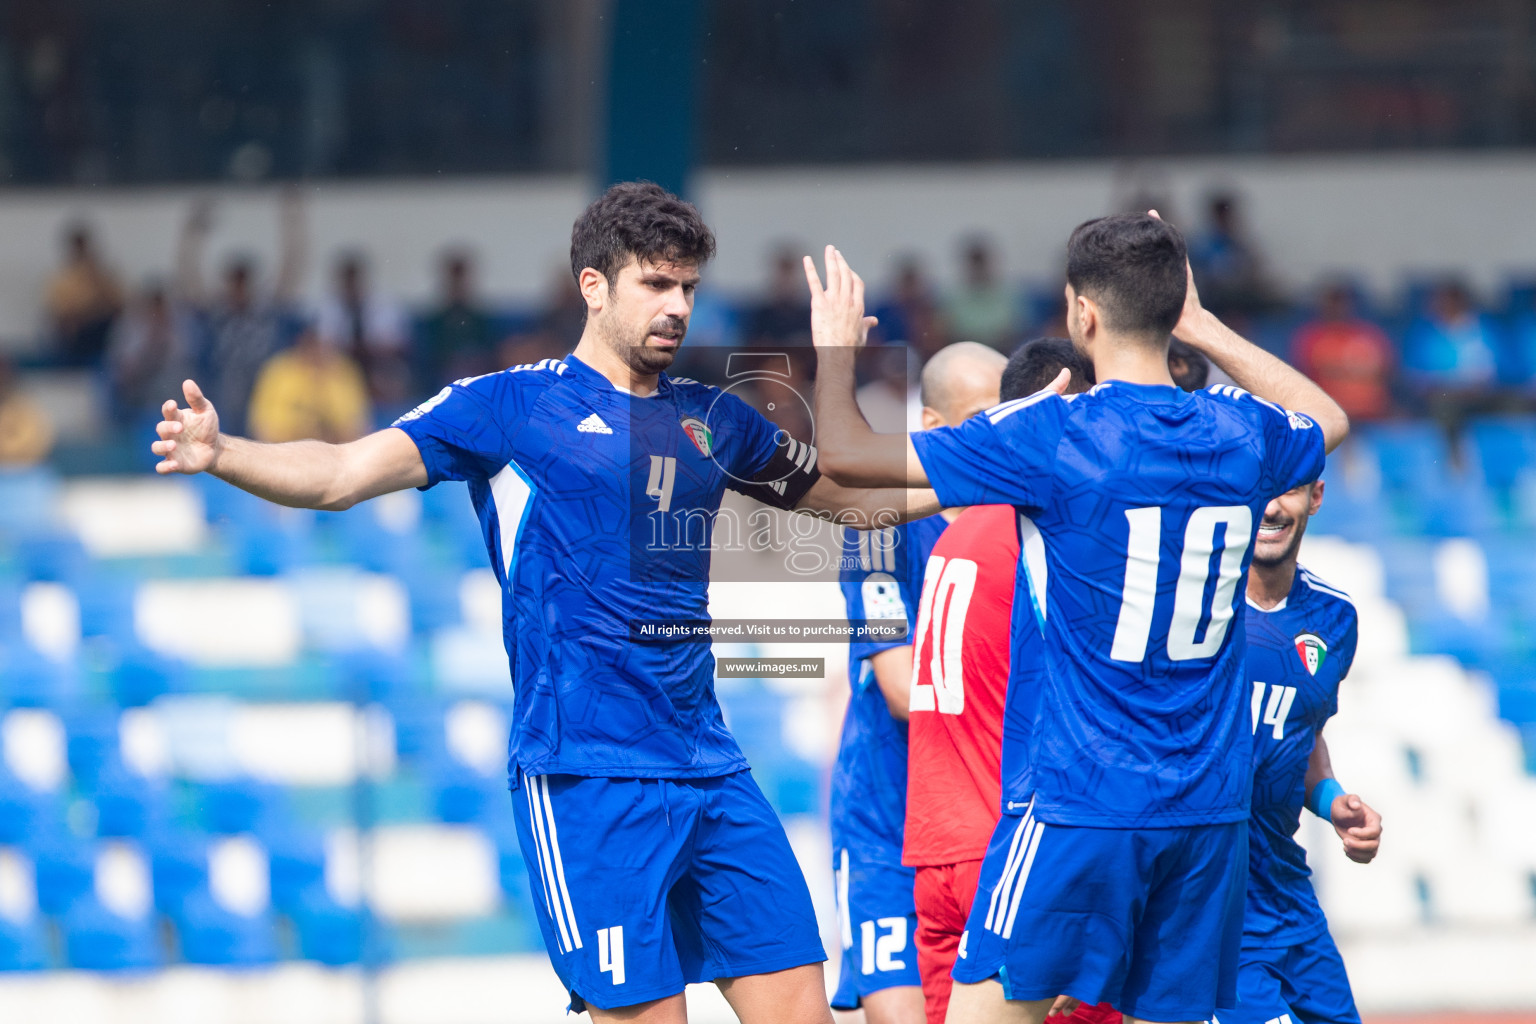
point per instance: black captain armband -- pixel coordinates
(790, 472)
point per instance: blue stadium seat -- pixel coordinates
(328, 932)
(24, 812)
(27, 500)
(419, 731)
(433, 591)
(459, 793)
(214, 936)
(127, 804)
(139, 675)
(266, 548)
(96, 939)
(10, 610)
(178, 864)
(52, 556)
(106, 605)
(239, 805)
(1505, 448)
(296, 860)
(1414, 457)
(65, 866)
(24, 946)
(92, 741)
(380, 675)
(32, 679)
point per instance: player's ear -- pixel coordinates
(1317, 498)
(594, 288)
(931, 418)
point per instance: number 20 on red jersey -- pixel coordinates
(938, 670)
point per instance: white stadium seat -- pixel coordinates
(477, 735)
(432, 872)
(238, 875)
(1482, 892)
(50, 619)
(122, 880)
(18, 886)
(34, 747)
(135, 516)
(220, 622)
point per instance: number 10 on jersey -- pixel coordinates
(1191, 605)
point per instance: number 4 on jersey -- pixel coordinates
(1277, 711)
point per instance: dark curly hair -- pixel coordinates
(1036, 363)
(639, 219)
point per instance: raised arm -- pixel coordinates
(1258, 372)
(852, 454)
(861, 508)
(300, 474)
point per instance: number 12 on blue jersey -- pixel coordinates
(1139, 595)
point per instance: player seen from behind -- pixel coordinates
(881, 577)
(654, 858)
(960, 674)
(1301, 643)
(1117, 865)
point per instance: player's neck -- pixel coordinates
(1130, 361)
(606, 362)
(1268, 585)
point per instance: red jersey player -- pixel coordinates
(960, 676)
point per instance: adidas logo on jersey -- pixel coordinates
(594, 424)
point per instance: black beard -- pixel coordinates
(1290, 552)
(647, 360)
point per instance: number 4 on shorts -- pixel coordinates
(610, 952)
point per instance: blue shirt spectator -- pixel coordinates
(1453, 346)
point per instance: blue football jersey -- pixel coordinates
(597, 508)
(1298, 653)
(882, 579)
(1147, 500)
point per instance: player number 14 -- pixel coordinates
(1138, 596)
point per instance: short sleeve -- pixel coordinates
(1002, 456)
(764, 462)
(871, 591)
(459, 431)
(1293, 444)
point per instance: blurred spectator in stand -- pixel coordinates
(983, 308)
(241, 327)
(26, 433)
(555, 330)
(1347, 356)
(1228, 265)
(911, 317)
(310, 390)
(83, 298)
(783, 318)
(371, 328)
(1449, 356)
(457, 338)
(152, 350)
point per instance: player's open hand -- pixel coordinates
(837, 311)
(189, 438)
(1358, 825)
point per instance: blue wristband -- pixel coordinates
(1321, 801)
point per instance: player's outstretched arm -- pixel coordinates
(852, 454)
(1356, 822)
(300, 474)
(1255, 370)
(867, 508)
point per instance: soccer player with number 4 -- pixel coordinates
(1119, 865)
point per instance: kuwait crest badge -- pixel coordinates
(1312, 651)
(699, 434)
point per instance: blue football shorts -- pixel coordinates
(643, 886)
(877, 919)
(1300, 984)
(1148, 920)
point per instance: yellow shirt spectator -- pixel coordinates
(310, 391)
